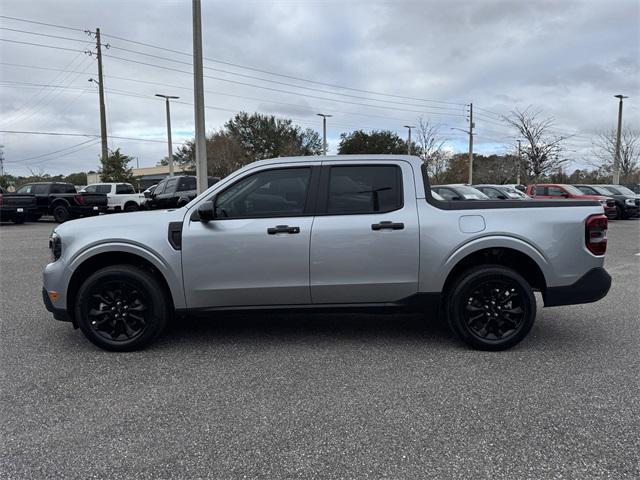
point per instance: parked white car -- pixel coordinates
(121, 197)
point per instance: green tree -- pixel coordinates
(383, 141)
(265, 136)
(79, 178)
(116, 167)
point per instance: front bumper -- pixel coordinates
(591, 287)
(58, 313)
(611, 212)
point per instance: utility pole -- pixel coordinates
(519, 162)
(471, 126)
(198, 93)
(100, 82)
(324, 131)
(1, 160)
(170, 157)
(616, 160)
(409, 127)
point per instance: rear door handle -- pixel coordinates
(387, 226)
(282, 229)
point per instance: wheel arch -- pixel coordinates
(506, 256)
(109, 258)
(59, 201)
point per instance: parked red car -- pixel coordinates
(557, 191)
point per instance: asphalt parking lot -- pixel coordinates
(312, 395)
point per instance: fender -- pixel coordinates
(494, 241)
(166, 269)
(58, 201)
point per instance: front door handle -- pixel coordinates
(387, 226)
(283, 229)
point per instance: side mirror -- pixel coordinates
(206, 211)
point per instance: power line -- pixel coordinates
(43, 34)
(41, 23)
(51, 153)
(283, 91)
(222, 62)
(64, 134)
(40, 45)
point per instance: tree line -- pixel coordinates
(249, 137)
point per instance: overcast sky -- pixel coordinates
(429, 58)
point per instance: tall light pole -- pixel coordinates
(167, 98)
(324, 131)
(519, 162)
(616, 160)
(198, 94)
(409, 127)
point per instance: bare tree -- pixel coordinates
(430, 145)
(605, 150)
(543, 150)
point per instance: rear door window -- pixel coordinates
(361, 189)
(186, 184)
(124, 189)
(541, 190)
(556, 192)
(40, 188)
(103, 188)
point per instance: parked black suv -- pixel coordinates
(15, 207)
(175, 192)
(62, 201)
(627, 202)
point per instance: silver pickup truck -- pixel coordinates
(320, 232)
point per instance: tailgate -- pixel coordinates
(95, 199)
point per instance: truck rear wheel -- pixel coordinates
(491, 307)
(121, 308)
(61, 213)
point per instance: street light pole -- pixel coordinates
(519, 162)
(198, 94)
(616, 160)
(324, 131)
(409, 127)
(167, 98)
(471, 126)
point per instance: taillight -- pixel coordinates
(79, 199)
(596, 234)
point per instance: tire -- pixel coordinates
(619, 213)
(61, 213)
(131, 207)
(490, 307)
(18, 219)
(117, 292)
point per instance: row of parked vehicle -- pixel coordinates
(64, 202)
(618, 201)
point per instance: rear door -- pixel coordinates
(364, 242)
(256, 251)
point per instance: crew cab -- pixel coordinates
(16, 207)
(121, 197)
(627, 202)
(63, 201)
(554, 191)
(325, 232)
(175, 192)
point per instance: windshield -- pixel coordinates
(471, 193)
(604, 190)
(573, 190)
(620, 190)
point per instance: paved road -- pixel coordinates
(317, 396)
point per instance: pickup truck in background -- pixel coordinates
(62, 201)
(555, 191)
(175, 192)
(16, 207)
(121, 197)
(348, 231)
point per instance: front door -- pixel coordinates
(364, 242)
(256, 251)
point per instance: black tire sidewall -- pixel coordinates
(147, 284)
(457, 299)
(131, 207)
(61, 213)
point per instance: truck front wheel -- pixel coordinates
(121, 308)
(491, 307)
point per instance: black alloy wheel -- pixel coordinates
(131, 207)
(491, 307)
(121, 308)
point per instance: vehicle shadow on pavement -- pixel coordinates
(238, 326)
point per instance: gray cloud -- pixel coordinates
(566, 58)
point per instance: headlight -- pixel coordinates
(55, 245)
(603, 202)
(630, 201)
